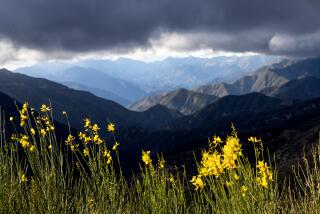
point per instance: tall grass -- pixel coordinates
(40, 174)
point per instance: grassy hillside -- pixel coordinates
(82, 174)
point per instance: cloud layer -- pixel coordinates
(288, 27)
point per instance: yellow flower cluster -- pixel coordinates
(70, 141)
(265, 175)
(214, 163)
(146, 158)
(86, 152)
(197, 182)
(231, 152)
(44, 108)
(83, 137)
(24, 141)
(23, 114)
(43, 132)
(161, 163)
(87, 123)
(216, 141)
(91, 133)
(107, 155)
(48, 124)
(211, 164)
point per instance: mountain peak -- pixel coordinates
(182, 100)
(5, 70)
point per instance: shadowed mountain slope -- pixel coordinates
(182, 100)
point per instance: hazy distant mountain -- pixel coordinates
(187, 72)
(267, 77)
(78, 104)
(98, 79)
(98, 92)
(91, 78)
(164, 75)
(182, 100)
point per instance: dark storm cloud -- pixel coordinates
(230, 25)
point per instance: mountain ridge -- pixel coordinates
(182, 100)
(267, 77)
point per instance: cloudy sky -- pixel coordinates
(38, 30)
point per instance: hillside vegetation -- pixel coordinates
(82, 174)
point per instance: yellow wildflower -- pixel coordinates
(111, 127)
(32, 131)
(229, 183)
(161, 163)
(146, 157)
(216, 140)
(254, 140)
(50, 146)
(115, 146)
(265, 175)
(14, 137)
(23, 114)
(236, 177)
(10, 119)
(211, 164)
(32, 148)
(87, 123)
(244, 190)
(107, 154)
(97, 139)
(84, 137)
(86, 152)
(95, 128)
(44, 108)
(197, 182)
(231, 151)
(171, 179)
(64, 113)
(24, 178)
(43, 132)
(70, 139)
(24, 141)
(23, 119)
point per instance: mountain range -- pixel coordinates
(131, 80)
(266, 79)
(79, 104)
(289, 79)
(279, 103)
